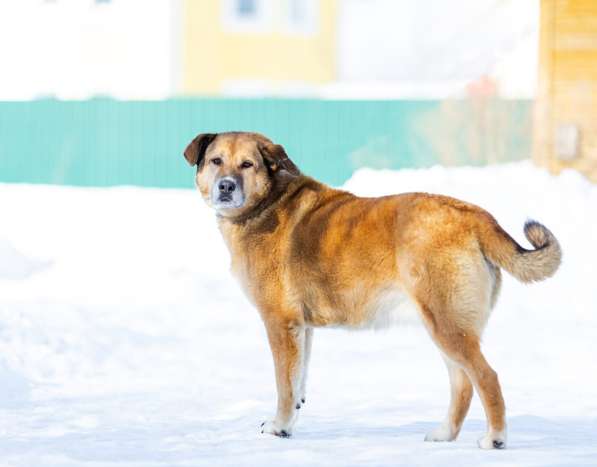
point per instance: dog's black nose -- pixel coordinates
(226, 186)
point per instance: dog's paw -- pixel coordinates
(271, 428)
(492, 441)
(441, 433)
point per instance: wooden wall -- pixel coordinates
(566, 106)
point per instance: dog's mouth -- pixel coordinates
(229, 201)
(225, 199)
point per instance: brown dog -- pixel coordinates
(311, 256)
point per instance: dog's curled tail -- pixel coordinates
(526, 265)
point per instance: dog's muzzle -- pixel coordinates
(227, 193)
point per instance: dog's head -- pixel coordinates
(236, 171)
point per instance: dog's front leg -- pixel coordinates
(287, 342)
(306, 357)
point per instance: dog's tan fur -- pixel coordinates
(310, 256)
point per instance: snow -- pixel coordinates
(125, 341)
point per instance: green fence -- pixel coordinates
(103, 142)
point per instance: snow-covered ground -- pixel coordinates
(125, 341)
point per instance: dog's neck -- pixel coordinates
(284, 186)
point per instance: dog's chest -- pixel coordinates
(259, 280)
(241, 271)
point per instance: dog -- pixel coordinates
(310, 256)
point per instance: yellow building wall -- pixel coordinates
(567, 88)
(212, 54)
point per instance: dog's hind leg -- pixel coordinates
(306, 358)
(287, 342)
(463, 348)
(461, 393)
(454, 291)
(486, 382)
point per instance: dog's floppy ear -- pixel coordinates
(195, 151)
(275, 158)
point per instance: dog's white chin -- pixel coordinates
(227, 208)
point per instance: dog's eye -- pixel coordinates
(216, 161)
(246, 164)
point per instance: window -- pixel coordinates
(246, 8)
(297, 13)
(262, 16)
(302, 16)
(247, 15)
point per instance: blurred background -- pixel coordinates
(108, 92)
(124, 339)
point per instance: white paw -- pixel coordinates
(441, 433)
(493, 441)
(272, 428)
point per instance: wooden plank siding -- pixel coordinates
(567, 87)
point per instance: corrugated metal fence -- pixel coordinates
(103, 142)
